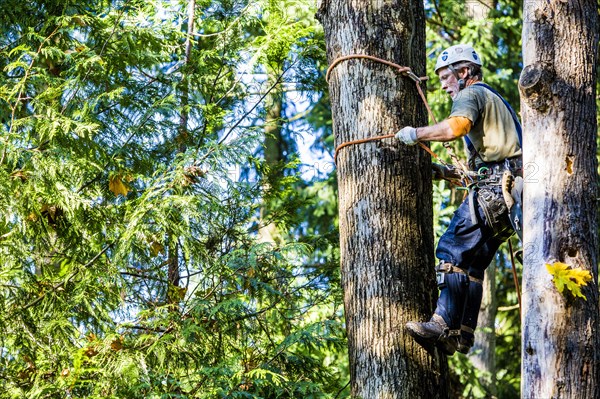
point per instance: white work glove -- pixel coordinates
(407, 135)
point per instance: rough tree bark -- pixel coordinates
(385, 199)
(560, 334)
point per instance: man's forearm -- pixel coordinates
(439, 132)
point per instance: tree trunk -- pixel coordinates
(483, 353)
(560, 333)
(272, 149)
(274, 103)
(183, 134)
(385, 199)
(173, 274)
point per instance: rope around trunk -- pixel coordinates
(406, 71)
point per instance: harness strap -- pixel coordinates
(453, 333)
(472, 210)
(448, 268)
(467, 329)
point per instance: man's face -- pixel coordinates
(449, 82)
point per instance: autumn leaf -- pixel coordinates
(564, 276)
(90, 351)
(116, 185)
(117, 344)
(156, 248)
(19, 174)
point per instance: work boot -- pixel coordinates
(433, 332)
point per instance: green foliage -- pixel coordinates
(131, 266)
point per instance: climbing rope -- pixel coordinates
(515, 277)
(406, 71)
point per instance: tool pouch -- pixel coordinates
(494, 208)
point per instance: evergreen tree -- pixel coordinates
(131, 267)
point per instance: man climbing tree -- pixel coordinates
(385, 197)
(492, 133)
(560, 346)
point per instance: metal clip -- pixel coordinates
(412, 75)
(483, 171)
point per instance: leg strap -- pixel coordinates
(447, 332)
(467, 329)
(475, 280)
(446, 267)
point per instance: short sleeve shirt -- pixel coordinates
(494, 134)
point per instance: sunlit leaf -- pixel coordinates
(564, 276)
(116, 185)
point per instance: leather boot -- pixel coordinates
(433, 332)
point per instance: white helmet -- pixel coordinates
(454, 54)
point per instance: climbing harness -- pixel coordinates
(406, 71)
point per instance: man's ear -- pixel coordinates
(463, 73)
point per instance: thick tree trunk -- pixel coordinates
(385, 200)
(560, 333)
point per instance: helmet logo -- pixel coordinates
(475, 55)
(444, 56)
(458, 50)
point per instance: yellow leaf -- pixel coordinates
(156, 248)
(116, 185)
(564, 276)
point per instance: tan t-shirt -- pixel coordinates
(494, 134)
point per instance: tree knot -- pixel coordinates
(535, 85)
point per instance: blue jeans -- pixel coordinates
(471, 246)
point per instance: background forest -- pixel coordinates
(169, 224)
